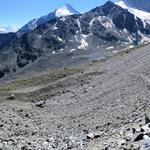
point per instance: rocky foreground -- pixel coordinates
(100, 106)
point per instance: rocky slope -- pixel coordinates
(95, 107)
(83, 37)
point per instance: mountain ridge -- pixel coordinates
(77, 38)
(60, 12)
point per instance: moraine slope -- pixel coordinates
(63, 110)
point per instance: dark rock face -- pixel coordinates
(105, 25)
(2, 74)
(7, 37)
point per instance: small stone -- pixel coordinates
(40, 104)
(94, 135)
(90, 136)
(139, 137)
(1, 125)
(97, 135)
(11, 97)
(136, 129)
(122, 142)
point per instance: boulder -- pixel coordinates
(40, 104)
(139, 137)
(147, 116)
(11, 97)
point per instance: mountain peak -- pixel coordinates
(68, 6)
(60, 12)
(109, 3)
(66, 10)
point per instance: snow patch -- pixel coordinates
(65, 11)
(54, 27)
(143, 15)
(114, 52)
(130, 39)
(131, 46)
(105, 21)
(111, 47)
(72, 50)
(83, 42)
(125, 30)
(91, 22)
(79, 25)
(54, 52)
(63, 19)
(60, 39)
(61, 50)
(144, 39)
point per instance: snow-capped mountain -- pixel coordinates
(135, 7)
(70, 39)
(7, 29)
(65, 11)
(61, 12)
(139, 4)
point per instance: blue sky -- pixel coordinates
(19, 12)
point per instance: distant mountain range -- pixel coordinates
(140, 8)
(67, 38)
(7, 29)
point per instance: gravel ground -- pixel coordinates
(79, 111)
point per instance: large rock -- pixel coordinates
(147, 116)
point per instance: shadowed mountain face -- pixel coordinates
(72, 36)
(6, 38)
(139, 4)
